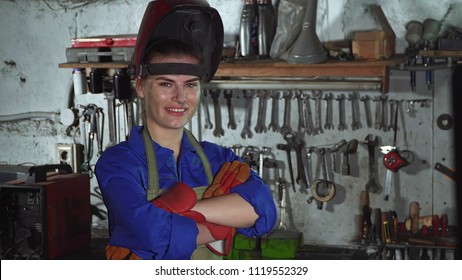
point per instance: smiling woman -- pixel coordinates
(170, 86)
(169, 196)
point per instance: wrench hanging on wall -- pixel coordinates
(308, 114)
(371, 142)
(317, 95)
(286, 129)
(93, 117)
(246, 131)
(329, 111)
(367, 108)
(356, 120)
(341, 115)
(228, 94)
(274, 124)
(215, 94)
(260, 127)
(208, 124)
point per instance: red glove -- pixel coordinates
(230, 175)
(179, 199)
(224, 236)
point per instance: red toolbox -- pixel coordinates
(101, 48)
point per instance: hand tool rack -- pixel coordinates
(416, 252)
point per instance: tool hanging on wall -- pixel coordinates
(93, 117)
(445, 170)
(215, 94)
(394, 159)
(286, 128)
(323, 190)
(228, 94)
(366, 220)
(333, 152)
(263, 151)
(260, 127)
(309, 172)
(282, 193)
(367, 108)
(271, 163)
(246, 130)
(250, 155)
(274, 123)
(350, 149)
(294, 144)
(208, 124)
(371, 142)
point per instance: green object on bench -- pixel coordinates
(278, 244)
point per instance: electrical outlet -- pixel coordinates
(70, 154)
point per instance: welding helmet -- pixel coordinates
(192, 22)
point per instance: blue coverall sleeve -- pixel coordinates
(136, 223)
(256, 193)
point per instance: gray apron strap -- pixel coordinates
(202, 156)
(153, 175)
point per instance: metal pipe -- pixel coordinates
(294, 84)
(434, 66)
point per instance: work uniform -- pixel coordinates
(151, 232)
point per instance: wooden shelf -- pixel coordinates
(278, 68)
(443, 54)
(330, 68)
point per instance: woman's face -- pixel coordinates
(170, 100)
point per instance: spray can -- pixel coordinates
(80, 81)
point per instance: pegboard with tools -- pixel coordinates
(317, 114)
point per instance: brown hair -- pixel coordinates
(170, 47)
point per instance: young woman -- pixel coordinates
(172, 224)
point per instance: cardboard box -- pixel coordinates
(375, 45)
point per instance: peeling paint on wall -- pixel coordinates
(11, 71)
(73, 4)
(28, 128)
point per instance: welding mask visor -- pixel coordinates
(192, 22)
